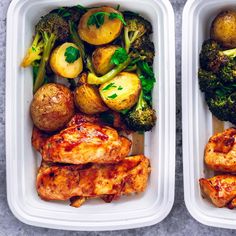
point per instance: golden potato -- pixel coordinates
(223, 28)
(122, 92)
(101, 59)
(52, 107)
(61, 66)
(106, 33)
(88, 100)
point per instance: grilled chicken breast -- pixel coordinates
(84, 143)
(79, 182)
(220, 152)
(221, 190)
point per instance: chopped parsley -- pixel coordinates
(113, 96)
(111, 85)
(119, 56)
(72, 54)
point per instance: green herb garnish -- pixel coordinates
(119, 56)
(111, 85)
(98, 18)
(113, 96)
(72, 54)
(120, 88)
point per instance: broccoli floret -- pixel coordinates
(136, 27)
(227, 72)
(142, 117)
(218, 105)
(208, 81)
(145, 48)
(212, 57)
(49, 29)
(232, 108)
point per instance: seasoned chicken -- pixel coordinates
(221, 190)
(79, 182)
(39, 139)
(84, 143)
(220, 152)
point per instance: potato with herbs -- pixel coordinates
(122, 92)
(100, 25)
(223, 28)
(101, 59)
(52, 107)
(66, 61)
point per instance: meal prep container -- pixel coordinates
(140, 210)
(198, 122)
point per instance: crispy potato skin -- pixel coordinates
(61, 67)
(220, 152)
(126, 89)
(105, 34)
(223, 28)
(221, 190)
(58, 182)
(84, 143)
(52, 107)
(88, 100)
(101, 59)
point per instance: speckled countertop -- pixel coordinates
(178, 222)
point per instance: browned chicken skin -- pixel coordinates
(221, 190)
(63, 182)
(220, 152)
(84, 143)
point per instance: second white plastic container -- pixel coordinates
(198, 123)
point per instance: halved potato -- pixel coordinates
(122, 92)
(88, 99)
(106, 33)
(63, 68)
(101, 59)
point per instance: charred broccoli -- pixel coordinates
(227, 72)
(49, 29)
(218, 105)
(142, 117)
(208, 81)
(136, 27)
(212, 57)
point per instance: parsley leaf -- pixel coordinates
(98, 18)
(119, 56)
(113, 96)
(111, 85)
(120, 88)
(72, 54)
(114, 15)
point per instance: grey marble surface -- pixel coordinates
(178, 222)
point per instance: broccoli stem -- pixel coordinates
(93, 79)
(141, 102)
(33, 53)
(90, 65)
(76, 39)
(49, 42)
(129, 39)
(230, 52)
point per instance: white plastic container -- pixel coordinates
(22, 162)
(198, 122)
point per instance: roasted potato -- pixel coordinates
(88, 100)
(101, 59)
(61, 66)
(122, 92)
(223, 28)
(52, 107)
(106, 33)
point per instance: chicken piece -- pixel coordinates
(84, 143)
(78, 182)
(221, 190)
(39, 139)
(220, 152)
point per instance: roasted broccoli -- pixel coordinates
(212, 57)
(218, 105)
(208, 81)
(136, 27)
(142, 117)
(49, 29)
(227, 72)
(232, 108)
